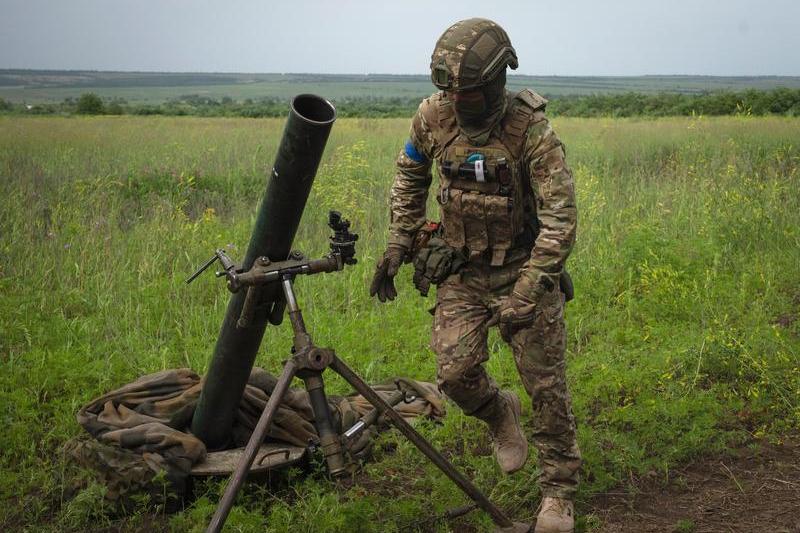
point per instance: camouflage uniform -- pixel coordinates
(493, 229)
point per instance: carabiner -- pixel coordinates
(444, 195)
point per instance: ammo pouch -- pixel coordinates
(434, 262)
(484, 213)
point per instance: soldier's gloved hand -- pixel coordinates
(385, 271)
(518, 311)
(515, 313)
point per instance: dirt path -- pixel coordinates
(756, 489)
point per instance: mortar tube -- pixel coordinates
(304, 137)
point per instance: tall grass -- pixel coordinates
(683, 337)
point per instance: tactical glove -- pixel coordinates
(434, 263)
(385, 271)
(518, 311)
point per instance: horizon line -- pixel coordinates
(78, 70)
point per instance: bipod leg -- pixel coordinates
(498, 517)
(328, 438)
(260, 431)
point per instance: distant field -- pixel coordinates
(37, 87)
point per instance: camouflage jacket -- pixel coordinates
(541, 159)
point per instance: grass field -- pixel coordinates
(37, 87)
(684, 337)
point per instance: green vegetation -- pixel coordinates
(49, 86)
(751, 102)
(684, 336)
(89, 104)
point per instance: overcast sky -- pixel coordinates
(576, 37)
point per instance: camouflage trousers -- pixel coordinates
(464, 304)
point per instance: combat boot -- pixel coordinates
(557, 516)
(508, 441)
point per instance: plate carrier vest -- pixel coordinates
(486, 203)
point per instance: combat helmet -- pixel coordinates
(471, 53)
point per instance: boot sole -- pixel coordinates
(554, 530)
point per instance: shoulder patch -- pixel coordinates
(413, 153)
(533, 100)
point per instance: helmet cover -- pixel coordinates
(470, 54)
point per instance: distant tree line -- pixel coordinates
(751, 102)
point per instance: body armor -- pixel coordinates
(484, 191)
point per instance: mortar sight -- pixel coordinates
(343, 242)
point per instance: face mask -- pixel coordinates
(477, 112)
(494, 92)
(470, 107)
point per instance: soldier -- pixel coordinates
(508, 220)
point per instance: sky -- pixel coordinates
(574, 38)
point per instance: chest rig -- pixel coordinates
(484, 191)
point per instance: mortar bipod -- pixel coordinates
(308, 362)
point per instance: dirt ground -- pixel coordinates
(756, 489)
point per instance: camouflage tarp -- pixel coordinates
(141, 430)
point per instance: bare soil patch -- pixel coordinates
(753, 489)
